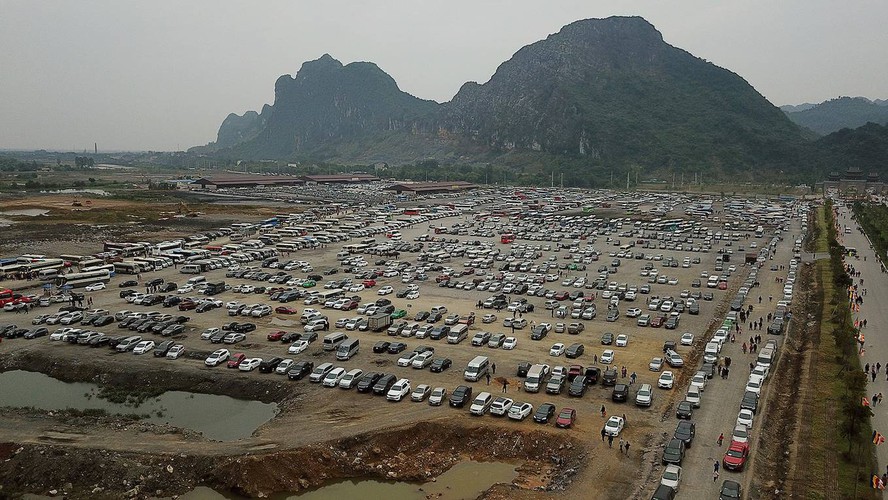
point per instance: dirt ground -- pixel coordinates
(322, 415)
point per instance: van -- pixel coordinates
(535, 377)
(457, 334)
(190, 269)
(476, 368)
(196, 280)
(346, 349)
(694, 396)
(765, 357)
(442, 310)
(333, 340)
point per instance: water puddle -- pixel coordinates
(28, 212)
(97, 192)
(220, 418)
(463, 481)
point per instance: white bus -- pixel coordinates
(131, 267)
(76, 280)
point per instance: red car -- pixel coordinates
(369, 283)
(285, 310)
(566, 418)
(722, 285)
(561, 296)
(657, 322)
(187, 305)
(735, 457)
(276, 336)
(236, 360)
(348, 306)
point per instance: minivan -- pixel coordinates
(333, 340)
(476, 368)
(346, 349)
(457, 334)
(196, 280)
(535, 377)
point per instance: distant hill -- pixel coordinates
(790, 108)
(865, 147)
(599, 94)
(836, 114)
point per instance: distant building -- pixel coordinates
(416, 188)
(232, 181)
(339, 178)
(855, 181)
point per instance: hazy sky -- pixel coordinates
(163, 74)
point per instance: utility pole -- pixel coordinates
(627, 180)
(562, 180)
(552, 182)
(673, 180)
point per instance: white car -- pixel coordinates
(185, 289)
(284, 366)
(249, 364)
(297, 347)
(656, 364)
(633, 312)
(557, 350)
(218, 357)
(666, 380)
(95, 287)
(333, 377)
(745, 417)
(699, 380)
(740, 434)
(607, 357)
(687, 338)
(399, 390)
(439, 394)
(671, 476)
(209, 332)
(501, 406)
(510, 343)
(385, 290)
(488, 318)
(412, 295)
(70, 318)
(176, 351)
(754, 384)
(39, 319)
(520, 411)
(622, 340)
(407, 359)
(614, 426)
(143, 347)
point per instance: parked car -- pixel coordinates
(545, 412)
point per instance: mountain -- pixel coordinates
(843, 112)
(325, 104)
(791, 108)
(598, 94)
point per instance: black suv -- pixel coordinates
(609, 378)
(368, 380)
(621, 393)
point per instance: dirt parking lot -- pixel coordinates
(311, 414)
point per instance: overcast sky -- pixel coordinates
(163, 74)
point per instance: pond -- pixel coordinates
(463, 481)
(220, 418)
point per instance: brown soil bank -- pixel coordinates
(413, 453)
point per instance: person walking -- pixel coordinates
(715, 466)
(505, 385)
(493, 367)
(721, 438)
(603, 434)
(621, 446)
(714, 476)
(627, 447)
(610, 441)
(488, 379)
(603, 411)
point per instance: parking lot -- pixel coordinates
(540, 275)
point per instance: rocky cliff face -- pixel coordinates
(607, 90)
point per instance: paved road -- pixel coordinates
(721, 400)
(875, 311)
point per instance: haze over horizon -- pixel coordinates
(163, 75)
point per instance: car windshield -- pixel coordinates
(735, 453)
(565, 414)
(672, 476)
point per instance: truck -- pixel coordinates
(379, 322)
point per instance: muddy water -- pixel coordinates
(217, 417)
(28, 212)
(464, 481)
